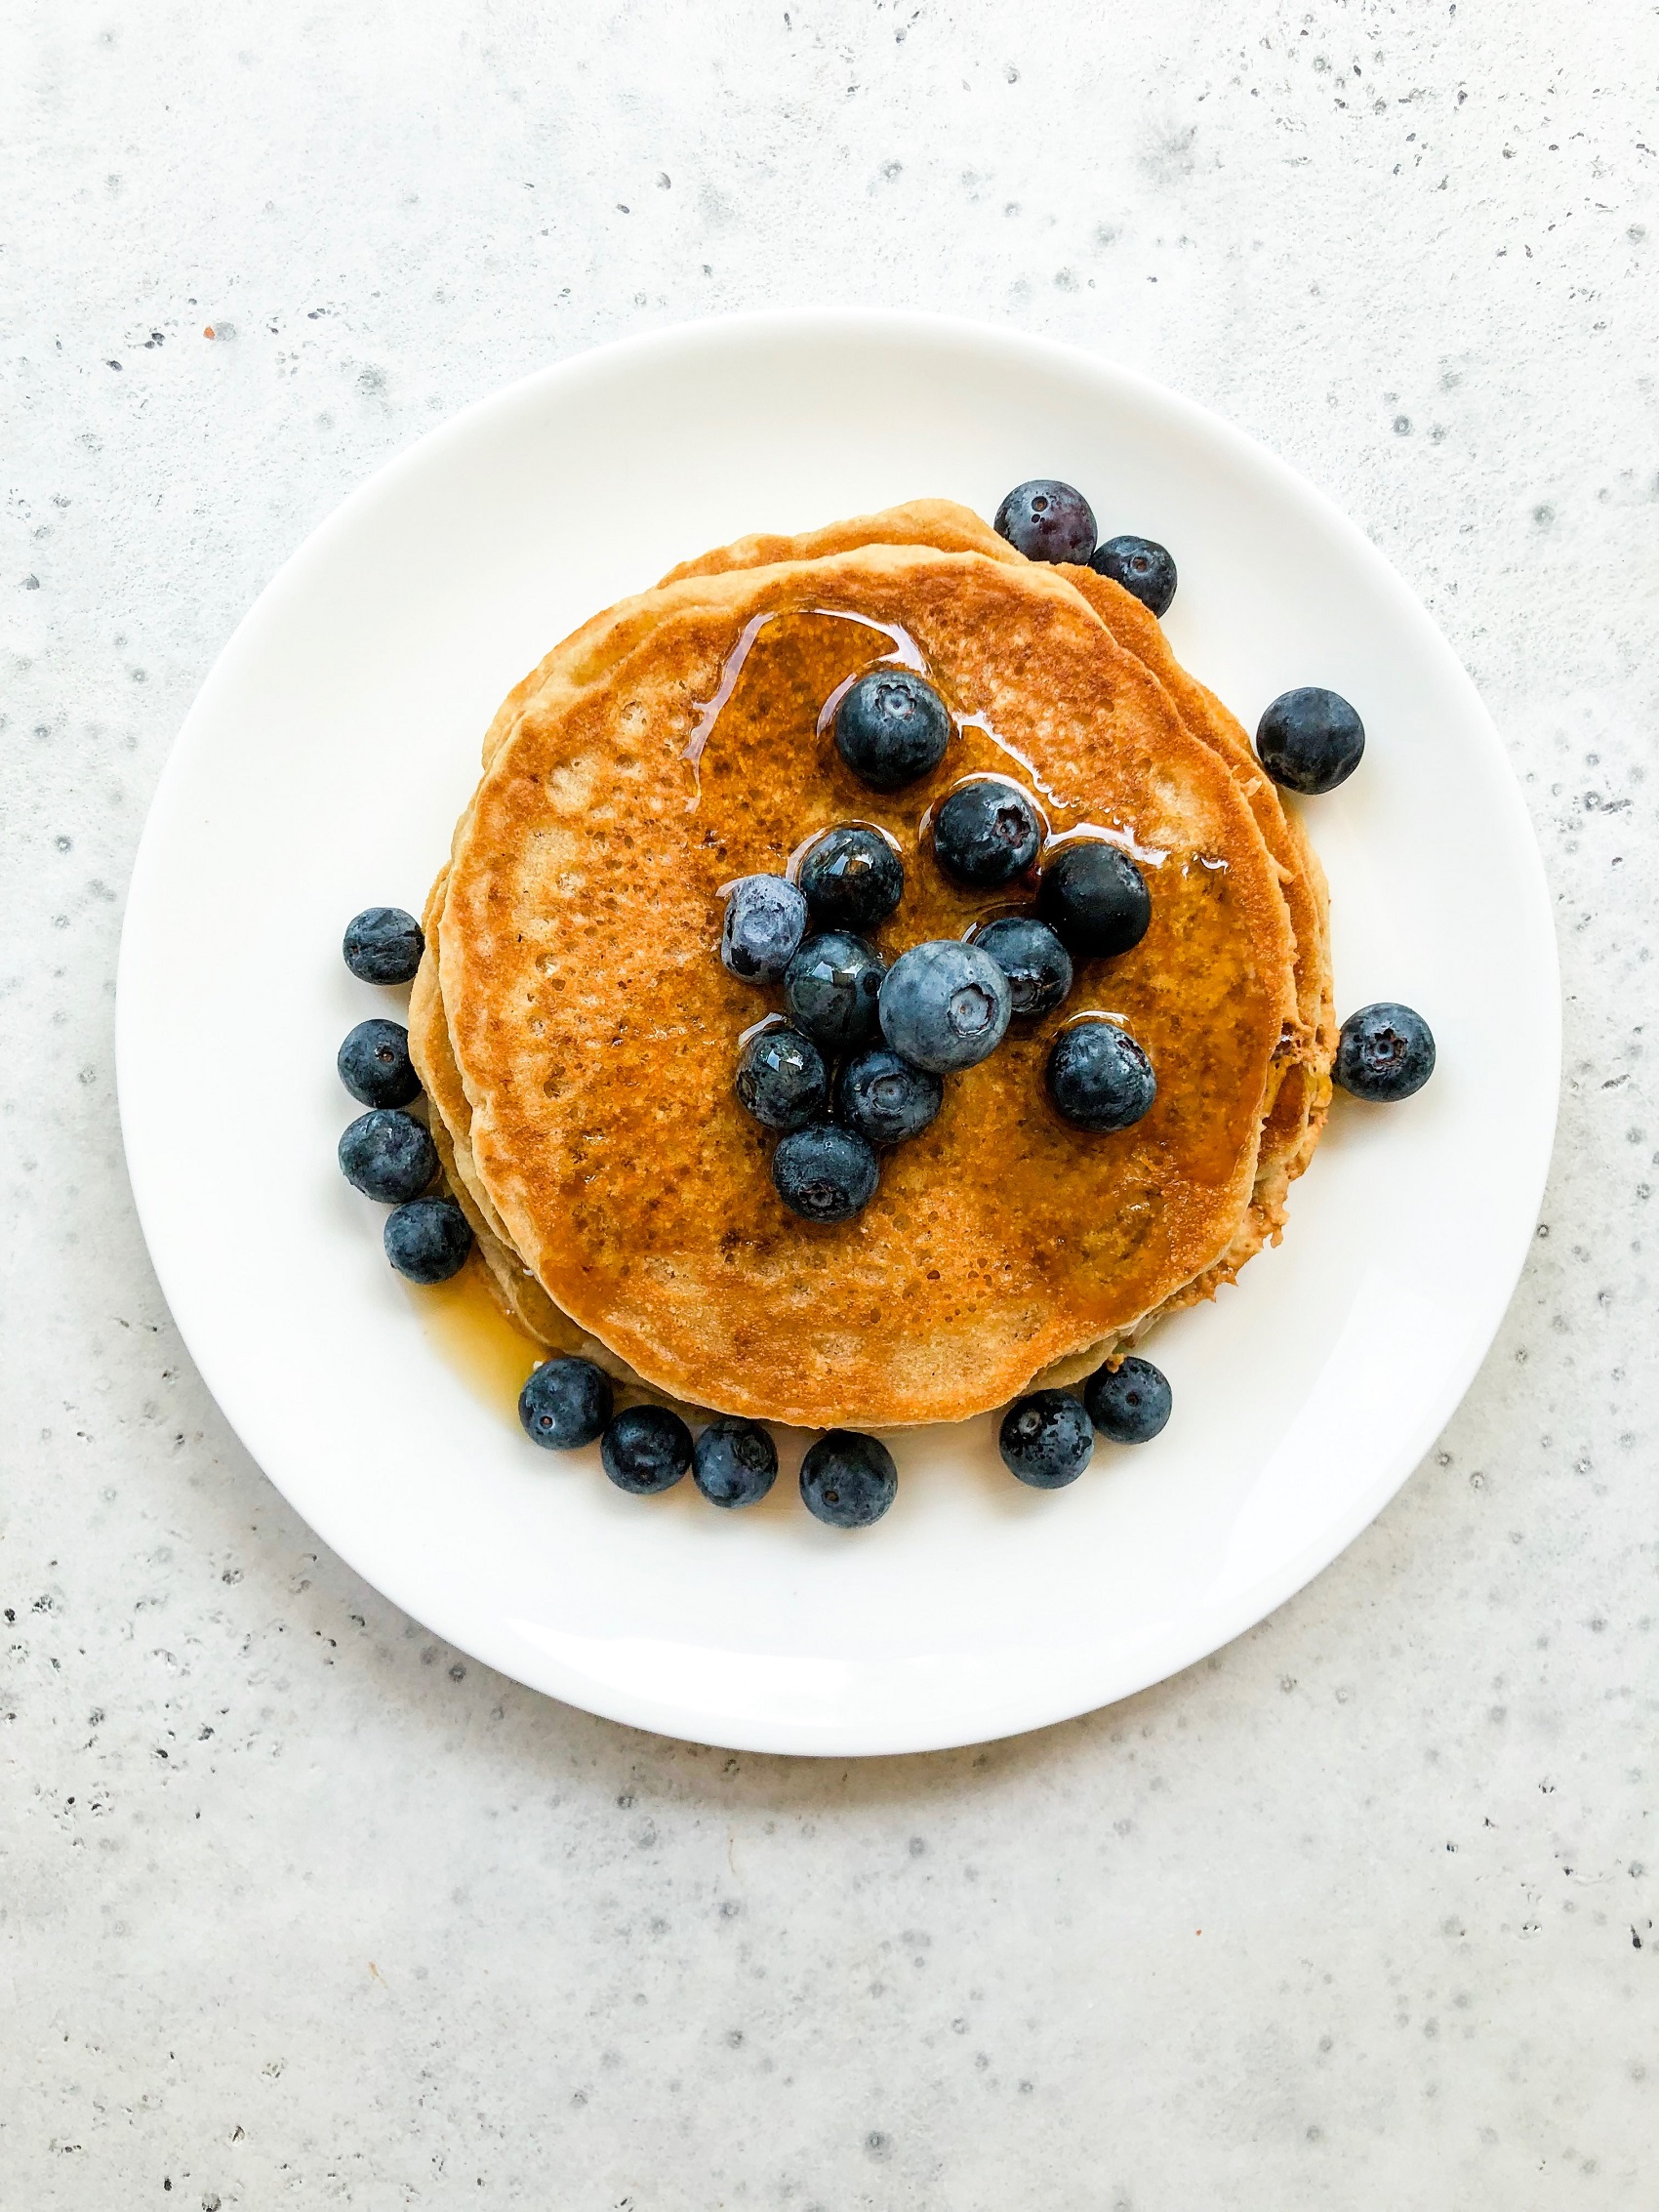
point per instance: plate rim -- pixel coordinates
(1204, 1631)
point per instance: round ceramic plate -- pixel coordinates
(321, 770)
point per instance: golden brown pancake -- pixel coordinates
(594, 1030)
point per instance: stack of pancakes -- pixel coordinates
(578, 1034)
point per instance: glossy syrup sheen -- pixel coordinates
(786, 674)
(467, 1326)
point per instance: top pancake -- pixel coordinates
(594, 1030)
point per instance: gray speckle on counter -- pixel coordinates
(297, 1906)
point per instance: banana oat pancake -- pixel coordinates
(593, 1030)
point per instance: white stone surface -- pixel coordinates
(299, 1907)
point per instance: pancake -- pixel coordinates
(594, 1030)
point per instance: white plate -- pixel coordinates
(321, 770)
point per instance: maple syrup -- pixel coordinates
(463, 1321)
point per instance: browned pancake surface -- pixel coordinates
(594, 1030)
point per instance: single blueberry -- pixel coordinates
(1047, 520)
(832, 987)
(945, 1006)
(565, 1403)
(1045, 1439)
(1309, 740)
(384, 945)
(645, 1449)
(734, 1462)
(884, 1098)
(891, 727)
(1094, 898)
(1099, 1078)
(387, 1154)
(825, 1174)
(1129, 1403)
(848, 1480)
(782, 1078)
(1385, 1052)
(1037, 966)
(851, 879)
(986, 833)
(1143, 567)
(374, 1066)
(427, 1239)
(765, 923)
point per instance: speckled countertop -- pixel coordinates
(297, 1908)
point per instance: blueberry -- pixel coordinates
(1129, 1403)
(1144, 568)
(851, 879)
(832, 987)
(1309, 740)
(884, 1098)
(734, 1462)
(945, 1006)
(388, 1155)
(1047, 520)
(645, 1449)
(1045, 1439)
(1037, 966)
(782, 1078)
(1385, 1052)
(1094, 898)
(765, 923)
(427, 1239)
(1099, 1078)
(986, 833)
(374, 1066)
(565, 1403)
(825, 1173)
(892, 727)
(848, 1480)
(384, 945)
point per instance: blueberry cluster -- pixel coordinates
(847, 1480)
(1308, 740)
(1047, 1437)
(857, 1062)
(386, 1154)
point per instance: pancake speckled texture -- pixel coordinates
(593, 1029)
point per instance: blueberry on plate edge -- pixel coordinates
(1128, 1402)
(733, 1461)
(1309, 740)
(566, 1403)
(382, 945)
(645, 1449)
(1385, 1052)
(387, 1154)
(427, 1239)
(374, 1064)
(848, 1480)
(1047, 519)
(1045, 1439)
